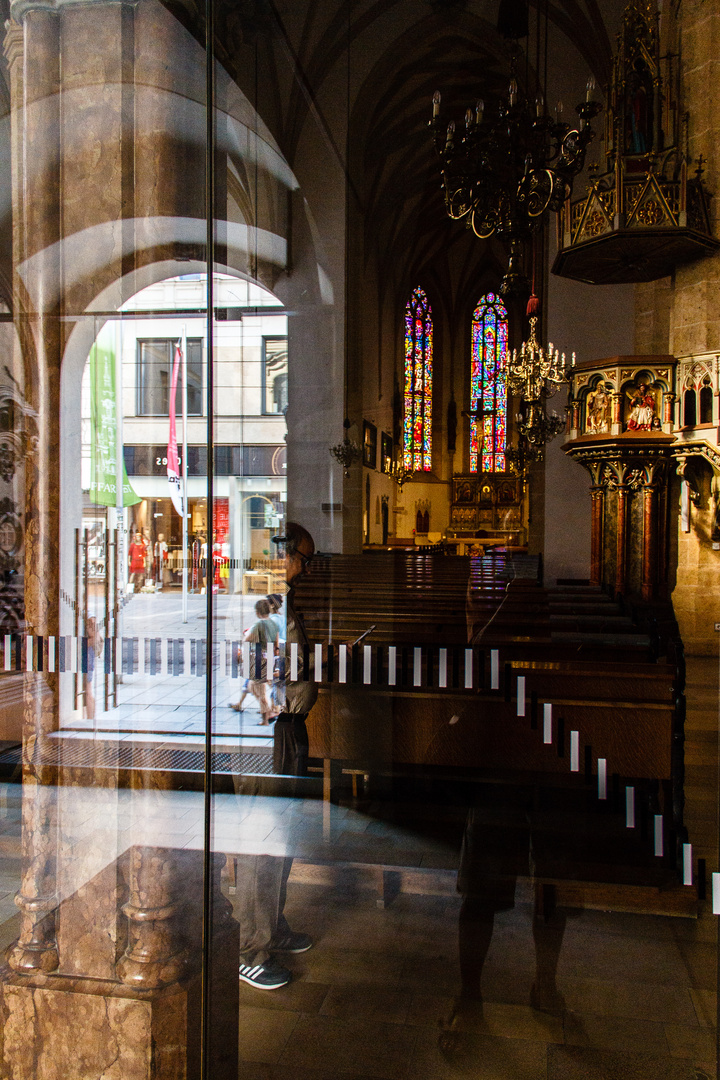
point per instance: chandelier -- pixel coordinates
(400, 473)
(347, 452)
(535, 374)
(504, 171)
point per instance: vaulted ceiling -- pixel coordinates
(318, 62)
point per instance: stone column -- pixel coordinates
(668, 411)
(597, 495)
(155, 955)
(649, 540)
(36, 234)
(621, 551)
(574, 414)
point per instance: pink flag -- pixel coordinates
(173, 465)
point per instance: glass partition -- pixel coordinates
(308, 769)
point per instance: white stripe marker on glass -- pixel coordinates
(521, 695)
(293, 660)
(141, 656)
(318, 663)
(367, 663)
(166, 646)
(687, 864)
(494, 669)
(8, 652)
(29, 653)
(118, 655)
(442, 668)
(187, 656)
(629, 807)
(51, 653)
(392, 665)
(246, 660)
(342, 663)
(716, 893)
(547, 724)
(73, 655)
(658, 834)
(574, 751)
(602, 778)
(417, 666)
(269, 659)
(468, 669)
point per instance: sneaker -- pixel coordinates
(293, 943)
(267, 976)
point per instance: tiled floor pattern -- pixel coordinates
(378, 998)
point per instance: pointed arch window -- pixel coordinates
(488, 385)
(417, 427)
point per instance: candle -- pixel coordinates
(436, 104)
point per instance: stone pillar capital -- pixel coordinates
(13, 46)
(20, 8)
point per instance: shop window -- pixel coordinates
(488, 386)
(706, 404)
(275, 375)
(155, 358)
(689, 408)
(417, 426)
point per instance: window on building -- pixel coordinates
(488, 385)
(417, 427)
(155, 358)
(275, 374)
(706, 403)
(690, 408)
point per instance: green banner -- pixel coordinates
(103, 405)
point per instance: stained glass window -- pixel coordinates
(417, 429)
(488, 385)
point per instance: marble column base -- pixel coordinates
(84, 1023)
(56, 1028)
(87, 1029)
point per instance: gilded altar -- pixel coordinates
(488, 506)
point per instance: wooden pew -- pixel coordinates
(576, 650)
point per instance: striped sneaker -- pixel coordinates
(267, 976)
(293, 943)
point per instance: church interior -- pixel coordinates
(382, 742)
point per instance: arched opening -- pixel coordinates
(134, 570)
(706, 404)
(690, 408)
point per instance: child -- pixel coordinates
(263, 633)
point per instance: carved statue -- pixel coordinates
(598, 410)
(642, 409)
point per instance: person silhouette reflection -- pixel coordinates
(501, 842)
(262, 879)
